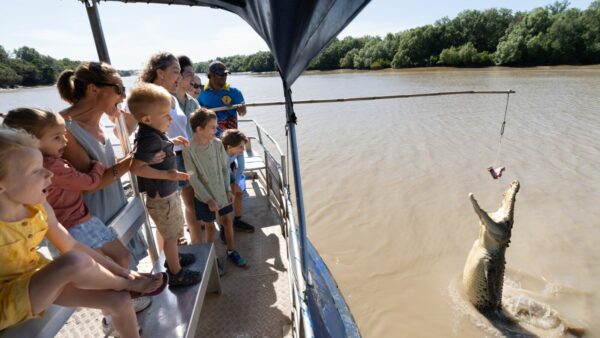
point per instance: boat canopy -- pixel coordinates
(295, 30)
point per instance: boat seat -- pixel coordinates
(253, 160)
(176, 311)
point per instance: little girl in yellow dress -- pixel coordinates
(29, 283)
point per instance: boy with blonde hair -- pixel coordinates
(207, 160)
(151, 106)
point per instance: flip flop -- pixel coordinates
(163, 285)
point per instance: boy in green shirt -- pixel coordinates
(206, 161)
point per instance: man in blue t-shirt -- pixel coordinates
(218, 93)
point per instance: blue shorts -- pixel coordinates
(92, 233)
(181, 167)
(204, 214)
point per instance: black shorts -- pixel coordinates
(204, 214)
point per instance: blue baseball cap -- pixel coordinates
(218, 68)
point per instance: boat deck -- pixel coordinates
(255, 300)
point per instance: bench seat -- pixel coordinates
(173, 313)
(176, 311)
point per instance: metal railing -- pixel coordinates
(275, 172)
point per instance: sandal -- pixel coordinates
(184, 277)
(163, 285)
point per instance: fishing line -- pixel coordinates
(496, 172)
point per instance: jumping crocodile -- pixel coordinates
(483, 275)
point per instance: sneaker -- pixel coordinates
(236, 258)
(185, 259)
(141, 303)
(240, 225)
(222, 235)
(184, 277)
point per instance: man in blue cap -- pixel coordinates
(218, 93)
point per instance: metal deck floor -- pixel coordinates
(255, 300)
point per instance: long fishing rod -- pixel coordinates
(365, 98)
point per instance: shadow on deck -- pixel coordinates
(255, 300)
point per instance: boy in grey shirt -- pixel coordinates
(206, 161)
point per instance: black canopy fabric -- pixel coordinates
(295, 30)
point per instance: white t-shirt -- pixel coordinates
(178, 126)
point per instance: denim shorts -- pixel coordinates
(181, 167)
(204, 214)
(92, 233)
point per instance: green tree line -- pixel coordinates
(27, 67)
(550, 35)
(30, 68)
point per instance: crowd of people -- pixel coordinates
(60, 183)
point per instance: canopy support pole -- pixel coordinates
(291, 129)
(92, 11)
(91, 7)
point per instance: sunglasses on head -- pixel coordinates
(120, 89)
(197, 85)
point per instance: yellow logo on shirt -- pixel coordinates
(226, 100)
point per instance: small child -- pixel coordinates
(29, 283)
(65, 195)
(207, 160)
(151, 106)
(235, 142)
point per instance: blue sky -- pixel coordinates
(60, 28)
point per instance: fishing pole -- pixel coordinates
(365, 98)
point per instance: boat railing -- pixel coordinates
(276, 182)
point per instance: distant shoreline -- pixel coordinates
(386, 70)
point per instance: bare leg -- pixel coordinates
(81, 271)
(117, 252)
(159, 240)
(227, 223)
(195, 226)
(172, 255)
(115, 303)
(210, 231)
(237, 201)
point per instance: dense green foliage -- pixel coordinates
(27, 67)
(30, 68)
(551, 35)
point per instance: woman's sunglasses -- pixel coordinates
(197, 85)
(120, 89)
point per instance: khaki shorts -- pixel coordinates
(167, 214)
